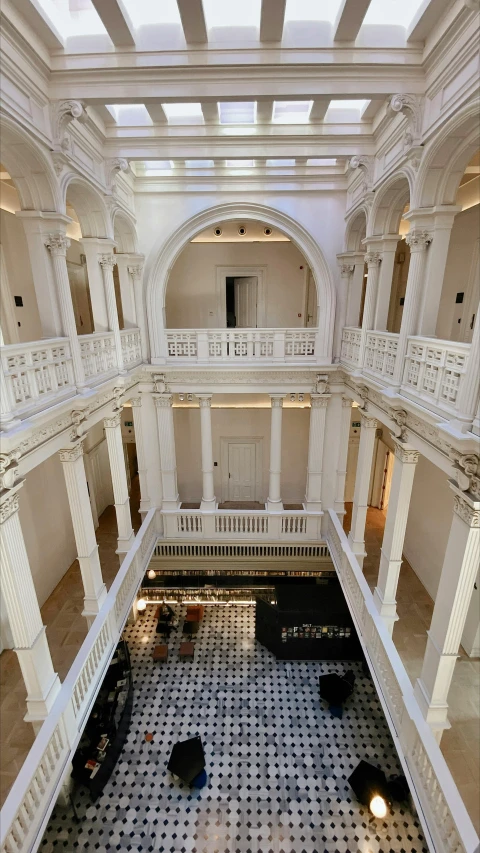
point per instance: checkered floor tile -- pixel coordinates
(277, 761)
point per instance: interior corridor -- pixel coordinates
(460, 744)
(66, 631)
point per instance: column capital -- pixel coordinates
(276, 400)
(71, 454)
(346, 403)
(113, 421)
(418, 239)
(405, 453)
(107, 261)
(135, 402)
(204, 400)
(8, 506)
(135, 271)
(368, 422)
(57, 243)
(467, 510)
(319, 401)
(373, 259)
(163, 401)
(346, 270)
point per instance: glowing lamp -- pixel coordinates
(378, 806)
(141, 605)
(151, 574)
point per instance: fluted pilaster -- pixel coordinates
(346, 417)
(208, 496)
(316, 439)
(356, 537)
(166, 439)
(136, 403)
(116, 457)
(274, 502)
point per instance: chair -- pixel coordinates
(195, 613)
(160, 653)
(190, 627)
(186, 650)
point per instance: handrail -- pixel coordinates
(441, 809)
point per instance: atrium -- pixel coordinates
(240, 426)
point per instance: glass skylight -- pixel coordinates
(199, 164)
(322, 161)
(147, 12)
(291, 112)
(239, 164)
(156, 167)
(227, 13)
(183, 112)
(313, 10)
(129, 114)
(398, 13)
(237, 112)
(73, 18)
(348, 105)
(280, 163)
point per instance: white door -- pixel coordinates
(241, 472)
(246, 302)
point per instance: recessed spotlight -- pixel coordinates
(267, 231)
(218, 232)
(242, 230)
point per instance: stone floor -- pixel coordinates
(277, 761)
(460, 744)
(66, 631)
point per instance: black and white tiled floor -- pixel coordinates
(277, 760)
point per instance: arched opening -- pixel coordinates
(163, 259)
(355, 234)
(125, 252)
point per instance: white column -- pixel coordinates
(107, 263)
(356, 537)
(126, 290)
(391, 552)
(116, 457)
(346, 271)
(387, 248)
(459, 571)
(344, 436)
(37, 226)
(419, 241)
(274, 501)
(438, 221)
(468, 395)
(94, 248)
(57, 244)
(316, 439)
(355, 290)
(209, 503)
(21, 604)
(372, 259)
(166, 440)
(136, 272)
(83, 528)
(136, 403)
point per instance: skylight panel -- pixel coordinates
(280, 163)
(147, 12)
(398, 13)
(313, 10)
(291, 112)
(73, 18)
(156, 167)
(227, 13)
(183, 112)
(322, 161)
(129, 114)
(239, 164)
(199, 164)
(237, 112)
(348, 105)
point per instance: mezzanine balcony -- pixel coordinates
(217, 346)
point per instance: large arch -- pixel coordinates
(30, 169)
(89, 206)
(164, 255)
(389, 204)
(446, 157)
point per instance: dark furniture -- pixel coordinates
(107, 726)
(186, 650)
(160, 652)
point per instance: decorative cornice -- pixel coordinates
(468, 513)
(57, 243)
(107, 262)
(373, 259)
(71, 454)
(163, 401)
(418, 239)
(113, 421)
(8, 506)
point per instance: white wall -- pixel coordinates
(192, 298)
(460, 276)
(47, 526)
(242, 423)
(19, 277)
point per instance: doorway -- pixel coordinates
(241, 460)
(241, 294)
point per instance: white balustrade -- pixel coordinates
(36, 787)
(350, 351)
(131, 347)
(241, 524)
(439, 804)
(98, 355)
(228, 523)
(38, 373)
(380, 354)
(433, 371)
(215, 345)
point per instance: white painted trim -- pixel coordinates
(8, 320)
(243, 439)
(472, 289)
(223, 272)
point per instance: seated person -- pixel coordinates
(166, 613)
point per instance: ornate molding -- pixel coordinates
(466, 470)
(8, 507)
(411, 106)
(57, 243)
(159, 383)
(368, 422)
(113, 167)
(71, 454)
(373, 259)
(113, 421)
(346, 270)
(107, 262)
(136, 272)
(163, 401)
(399, 417)
(135, 402)
(346, 403)
(418, 239)
(204, 400)
(79, 416)
(466, 511)
(119, 398)
(276, 400)
(364, 162)
(319, 401)
(8, 469)
(406, 454)
(63, 113)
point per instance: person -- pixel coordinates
(166, 613)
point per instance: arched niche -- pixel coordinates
(30, 169)
(89, 206)
(389, 205)
(165, 253)
(124, 233)
(355, 231)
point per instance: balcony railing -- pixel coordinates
(439, 804)
(131, 347)
(216, 345)
(98, 356)
(228, 525)
(432, 372)
(37, 374)
(32, 797)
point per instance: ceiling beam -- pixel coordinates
(38, 20)
(371, 109)
(156, 113)
(319, 108)
(115, 19)
(210, 112)
(193, 21)
(264, 112)
(350, 19)
(271, 20)
(427, 15)
(104, 114)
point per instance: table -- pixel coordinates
(160, 653)
(186, 650)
